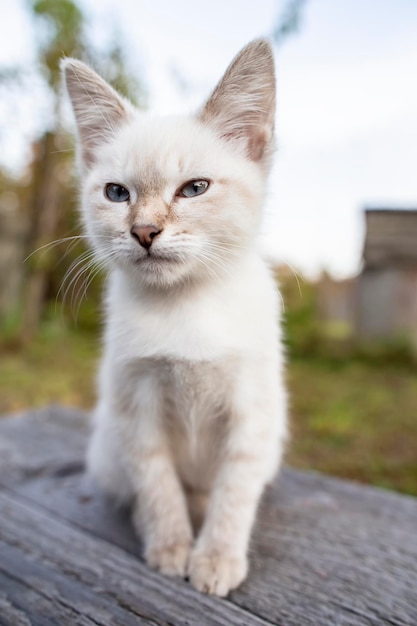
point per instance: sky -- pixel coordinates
(346, 114)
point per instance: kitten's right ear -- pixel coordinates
(241, 109)
(98, 108)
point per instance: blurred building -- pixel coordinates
(387, 285)
(381, 302)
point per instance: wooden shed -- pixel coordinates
(387, 285)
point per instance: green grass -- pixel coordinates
(350, 418)
(57, 367)
(355, 420)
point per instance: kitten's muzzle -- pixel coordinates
(145, 234)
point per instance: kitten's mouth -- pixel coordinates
(155, 258)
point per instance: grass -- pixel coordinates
(350, 418)
(355, 420)
(58, 367)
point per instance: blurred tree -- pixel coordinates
(48, 203)
(289, 21)
(59, 26)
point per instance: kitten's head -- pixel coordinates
(175, 199)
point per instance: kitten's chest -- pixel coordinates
(191, 391)
(197, 399)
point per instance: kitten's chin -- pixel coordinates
(164, 272)
(159, 272)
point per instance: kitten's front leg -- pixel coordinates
(252, 454)
(160, 512)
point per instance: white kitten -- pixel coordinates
(191, 418)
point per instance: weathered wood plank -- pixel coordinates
(320, 550)
(95, 579)
(41, 441)
(324, 552)
(27, 604)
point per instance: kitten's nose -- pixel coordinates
(145, 234)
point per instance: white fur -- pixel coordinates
(191, 418)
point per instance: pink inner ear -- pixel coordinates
(257, 142)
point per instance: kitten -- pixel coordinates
(191, 418)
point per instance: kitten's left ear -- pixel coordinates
(242, 107)
(98, 108)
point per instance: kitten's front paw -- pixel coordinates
(171, 559)
(216, 573)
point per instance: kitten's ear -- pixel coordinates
(242, 107)
(99, 110)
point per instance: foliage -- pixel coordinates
(62, 34)
(306, 334)
(289, 21)
(301, 325)
(46, 190)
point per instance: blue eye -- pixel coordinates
(116, 193)
(193, 188)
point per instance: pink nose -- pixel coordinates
(145, 235)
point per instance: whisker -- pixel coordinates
(94, 270)
(85, 268)
(52, 244)
(73, 267)
(297, 276)
(282, 301)
(215, 260)
(211, 271)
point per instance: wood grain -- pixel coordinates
(324, 551)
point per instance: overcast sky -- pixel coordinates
(347, 102)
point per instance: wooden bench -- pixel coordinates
(324, 551)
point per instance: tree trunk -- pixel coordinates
(44, 211)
